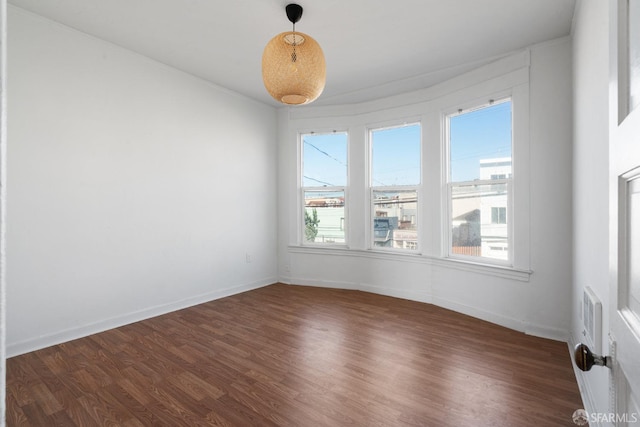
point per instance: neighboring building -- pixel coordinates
(330, 211)
(493, 209)
(394, 224)
(479, 226)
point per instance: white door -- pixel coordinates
(624, 208)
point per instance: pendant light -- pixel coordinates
(293, 67)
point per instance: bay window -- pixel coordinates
(443, 182)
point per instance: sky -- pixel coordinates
(481, 134)
(325, 159)
(395, 156)
(476, 135)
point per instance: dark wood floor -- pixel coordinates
(298, 356)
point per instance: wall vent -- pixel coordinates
(592, 320)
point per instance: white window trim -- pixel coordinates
(302, 189)
(372, 188)
(447, 250)
(518, 216)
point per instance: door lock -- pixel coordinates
(585, 358)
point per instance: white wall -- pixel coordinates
(590, 181)
(537, 303)
(551, 207)
(134, 189)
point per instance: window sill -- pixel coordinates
(464, 265)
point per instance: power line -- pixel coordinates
(317, 180)
(325, 153)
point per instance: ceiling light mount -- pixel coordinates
(294, 12)
(293, 67)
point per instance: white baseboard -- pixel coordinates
(15, 349)
(585, 391)
(546, 332)
(333, 284)
(391, 292)
(508, 322)
(424, 296)
(498, 319)
(420, 296)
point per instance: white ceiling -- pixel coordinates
(373, 48)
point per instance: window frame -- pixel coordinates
(449, 185)
(303, 190)
(503, 79)
(372, 189)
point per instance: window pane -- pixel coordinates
(324, 160)
(396, 156)
(479, 220)
(395, 219)
(498, 215)
(480, 143)
(324, 217)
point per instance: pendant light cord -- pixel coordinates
(294, 55)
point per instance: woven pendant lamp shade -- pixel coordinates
(293, 68)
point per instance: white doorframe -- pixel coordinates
(624, 222)
(3, 202)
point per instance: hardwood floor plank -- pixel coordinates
(101, 410)
(14, 413)
(239, 414)
(45, 399)
(35, 415)
(195, 386)
(61, 419)
(139, 403)
(297, 356)
(76, 412)
(19, 393)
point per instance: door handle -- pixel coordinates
(585, 358)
